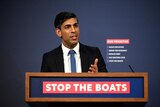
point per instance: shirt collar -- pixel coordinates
(66, 50)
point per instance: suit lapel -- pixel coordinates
(84, 58)
(59, 61)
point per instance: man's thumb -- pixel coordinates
(96, 61)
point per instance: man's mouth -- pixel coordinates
(74, 37)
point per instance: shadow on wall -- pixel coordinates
(12, 84)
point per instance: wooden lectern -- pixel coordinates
(86, 87)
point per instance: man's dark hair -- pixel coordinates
(62, 17)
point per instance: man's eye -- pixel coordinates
(67, 27)
(76, 25)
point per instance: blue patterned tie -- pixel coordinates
(72, 60)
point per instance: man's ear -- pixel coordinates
(58, 32)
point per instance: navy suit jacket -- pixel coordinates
(53, 61)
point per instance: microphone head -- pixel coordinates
(131, 68)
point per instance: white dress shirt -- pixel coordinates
(66, 57)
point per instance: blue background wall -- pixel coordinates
(26, 32)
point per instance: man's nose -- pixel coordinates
(73, 29)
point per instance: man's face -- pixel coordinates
(69, 32)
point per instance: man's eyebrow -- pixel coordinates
(70, 24)
(67, 25)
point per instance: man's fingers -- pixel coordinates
(92, 67)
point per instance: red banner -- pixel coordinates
(86, 87)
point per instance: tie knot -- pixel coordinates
(72, 52)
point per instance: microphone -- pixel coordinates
(131, 68)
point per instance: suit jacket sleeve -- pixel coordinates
(44, 65)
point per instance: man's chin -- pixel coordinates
(74, 44)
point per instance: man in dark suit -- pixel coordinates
(87, 58)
